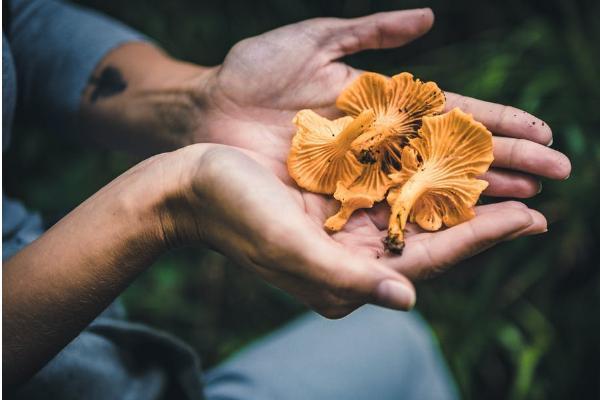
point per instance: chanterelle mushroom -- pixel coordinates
(351, 200)
(320, 156)
(399, 104)
(438, 175)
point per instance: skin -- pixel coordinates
(231, 190)
(256, 112)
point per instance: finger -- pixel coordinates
(479, 210)
(439, 251)
(504, 183)
(382, 216)
(376, 31)
(501, 119)
(488, 208)
(533, 158)
(351, 278)
(538, 225)
(360, 279)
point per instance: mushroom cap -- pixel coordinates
(319, 156)
(438, 176)
(399, 103)
(455, 143)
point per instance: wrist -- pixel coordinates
(173, 96)
(175, 207)
(133, 203)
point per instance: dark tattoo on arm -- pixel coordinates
(109, 83)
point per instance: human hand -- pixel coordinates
(226, 198)
(265, 80)
(231, 200)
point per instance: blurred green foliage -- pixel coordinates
(519, 321)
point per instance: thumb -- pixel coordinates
(352, 279)
(376, 31)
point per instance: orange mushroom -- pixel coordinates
(399, 104)
(437, 183)
(320, 156)
(351, 200)
(369, 188)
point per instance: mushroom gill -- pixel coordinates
(320, 156)
(399, 104)
(437, 183)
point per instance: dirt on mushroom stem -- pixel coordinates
(402, 205)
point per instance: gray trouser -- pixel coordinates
(372, 354)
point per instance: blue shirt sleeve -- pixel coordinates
(56, 47)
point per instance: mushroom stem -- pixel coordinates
(337, 221)
(350, 202)
(410, 192)
(345, 138)
(372, 138)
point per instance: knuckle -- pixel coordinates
(516, 204)
(504, 119)
(529, 187)
(523, 218)
(465, 103)
(511, 111)
(515, 155)
(320, 22)
(319, 28)
(242, 46)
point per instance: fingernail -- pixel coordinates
(394, 294)
(550, 142)
(567, 177)
(539, 230)
(540, 188)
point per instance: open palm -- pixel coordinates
(245, 211)
(426, 253)
(265, 80)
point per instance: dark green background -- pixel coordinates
(520, 321)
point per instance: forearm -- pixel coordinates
(54, 287)
(142, 101)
